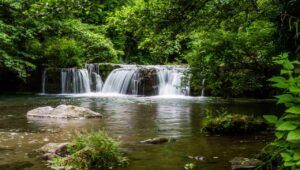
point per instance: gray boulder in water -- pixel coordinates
(63, 112)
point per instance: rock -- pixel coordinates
(197, 158)
(51, 150)
(245, 163)
(158, 140)
(63, 112)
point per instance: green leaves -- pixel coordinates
(286, 126)
(294, 109)
(293, 136)
(271, 118)
(285, 98)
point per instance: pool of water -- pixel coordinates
(130, 120)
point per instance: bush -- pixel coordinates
(91, 151)
(227, 123)
(287, 126)
(63, 52)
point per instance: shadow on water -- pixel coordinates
(132, 119)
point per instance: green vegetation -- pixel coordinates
(229, 43)
(287, 126)
(227, 123)
(91, 151)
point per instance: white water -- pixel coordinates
(75, 81)
(171, 82)
(119, 81)
(168, 81)
(95, 77)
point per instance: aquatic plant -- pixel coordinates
(287, 126)
(94, 150)
(228, 123)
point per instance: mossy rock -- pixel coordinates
(233, 124)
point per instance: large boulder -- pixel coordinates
(63, 112)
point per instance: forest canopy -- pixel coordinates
(229, 43)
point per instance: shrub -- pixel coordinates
(287, 126)
(63, 52)
(91, 151)
(227, 123)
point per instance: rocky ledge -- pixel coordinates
(63, 112)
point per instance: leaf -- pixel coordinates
(282, 72)
(285, 98)
(278, 79)
(290, 116)
(287, 164)
(281, 85)
(293, 135)
(286, 126)
(294, 110)
(294, 89)
(288, 65)
(296, 155)
(271, 118)
(279, 135)
(286, 156)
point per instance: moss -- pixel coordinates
(91, 151)
(233, 124)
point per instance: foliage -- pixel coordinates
(227, 123)
(233, 51)
(91, 151)
(228, 43)
(287, 126)
(30, 32)
(63, 52)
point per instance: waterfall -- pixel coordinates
(124, 79)
(44, 81)
(75, 81)
(203, 88)
(171, 82)
(96, 82)
(120, 80)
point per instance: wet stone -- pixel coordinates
(63, 112)
(158, 140)
(244, 163)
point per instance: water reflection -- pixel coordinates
(131, 119)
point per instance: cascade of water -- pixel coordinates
(171, 82)
(129, 79)
(120, 80)
(203, 88)
(96, 82)
(75, 81)
(44, 81)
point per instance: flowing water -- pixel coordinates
(131, 119)
(129, 79)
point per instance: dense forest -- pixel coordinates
(229, 43)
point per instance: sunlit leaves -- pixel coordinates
(288, 126)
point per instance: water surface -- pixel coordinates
(130, 120)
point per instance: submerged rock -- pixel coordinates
(51, 150)
(245, 163)
(159, 140)
(63, 112)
